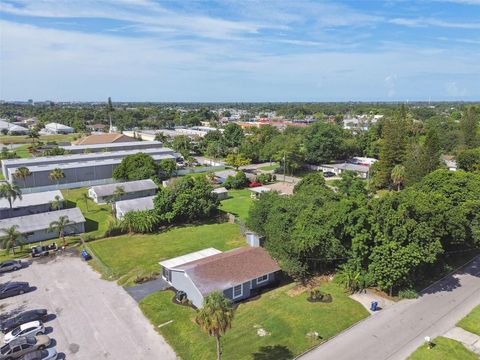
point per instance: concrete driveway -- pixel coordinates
(394, 333)
(94, 318)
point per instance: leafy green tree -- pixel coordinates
(167, 168)
(313, 179)
(215, 317)
(34, 135)
(233, 135)
(11, 238)
(432, 151)
(325, 142)
(183, 145)
(469, 127)
(11, 192)
(160, 136)
(392, 148)
(22, 173)
(136, 167)
(56, 175)
(60, 226)
(237, 160)
(186, 200)
(350, 185)
(398, 176)
(238, 181)
(469, 160)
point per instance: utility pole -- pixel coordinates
(284, 164)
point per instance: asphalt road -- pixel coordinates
(394, 333)
(95, 319)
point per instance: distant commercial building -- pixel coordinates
(79, 169)
(102, 138)
(56, 128)
(30, 204)
(35, 227)
(132, 190)
(140, 204)
(115, 146)
(12, 129)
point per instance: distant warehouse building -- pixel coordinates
(95, 148)
(140, 204)
(30, 204)
(35, 227)
(12, 129)
(132, 190)
(79, 169)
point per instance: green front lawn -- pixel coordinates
(238, 203)
(444, 349)
(23, 152)
(471, 322)
(129, 256)
(97, 216)
(285, 317)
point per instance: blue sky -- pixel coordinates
(230, 50)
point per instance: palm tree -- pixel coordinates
(398, 176)
(22, 173)
(84, 197)
(33, 134)
(59, 226)
(11, 192)
(56, 203)
(118, 193)
(216, 317)
(11, 238)
(57, 174)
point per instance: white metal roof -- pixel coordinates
(260, 189)
(35, 222)
(220, 190)
(138, 144)
(12, 127)
(32, 199)
(180, 260)
(138, 204)
(56, 126)
(128, 187)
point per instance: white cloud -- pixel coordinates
(425, 22)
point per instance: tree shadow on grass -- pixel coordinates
(90, 225)
(276, 352)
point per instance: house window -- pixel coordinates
(237, 291)
(262, 279)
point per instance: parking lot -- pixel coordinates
(92, 318)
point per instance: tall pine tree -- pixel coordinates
(469, 127)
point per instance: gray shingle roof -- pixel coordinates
(35, 222)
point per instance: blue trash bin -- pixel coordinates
(85, 255)
(374, 305)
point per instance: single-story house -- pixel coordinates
(238, 273)
(139, 204)
(35, 227)
(221, 193)
(361, 170)
(56, 128)
(132, 190)
(284, 188)
(33, 203)
(221, 176)
(257, 191)
(96, 127)
(12, 129)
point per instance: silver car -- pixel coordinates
(10, 265)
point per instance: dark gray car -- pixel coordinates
(13, 288)
(10, 265)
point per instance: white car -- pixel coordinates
(32, 328)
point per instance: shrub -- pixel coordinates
(407, 294)
(316, 295)
(114, 228)
(238, 181)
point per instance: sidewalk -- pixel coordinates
(469, 340)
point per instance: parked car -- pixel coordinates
(13, 288)
(254, 184)
(10, 265)
(25, 317)
(24, 345)
(46, 354)
(31, 328)
(328, 174)
(43, 250)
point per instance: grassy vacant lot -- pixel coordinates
(129, 256)
(238, 203)
(269, 167)
(23, 139)
(287, 318)
(23, 152)
(97, 216)
(471, 322)
(444, 349)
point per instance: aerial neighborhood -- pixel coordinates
(239, 180)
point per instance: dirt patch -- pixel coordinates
(309, 285)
